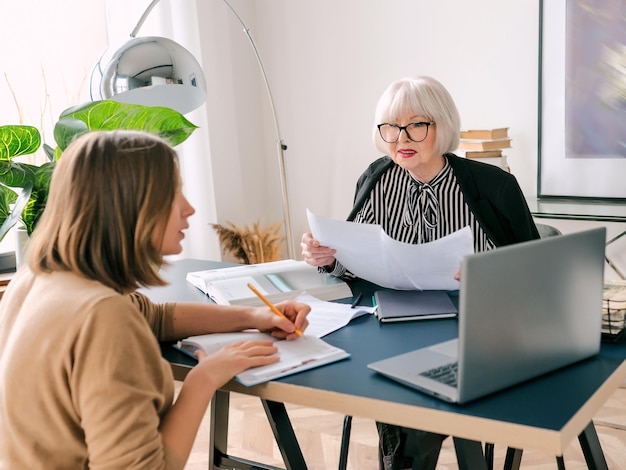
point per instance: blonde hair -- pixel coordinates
(420, 96)
(110, 193)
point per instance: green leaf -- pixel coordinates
(13, 215)
(109, 115)
(49, 151)
(66, 130)
(18, 140)
(7, 197)
(37, 202)
(16, 175)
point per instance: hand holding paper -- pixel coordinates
(369, 253)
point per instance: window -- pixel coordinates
(49, 50)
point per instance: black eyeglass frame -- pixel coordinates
(404, 128)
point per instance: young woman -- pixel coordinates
(82, 380)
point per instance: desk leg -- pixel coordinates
(469, 454)
(513, 459)
(610, 263)
(592, 449)
(589, 442)
(284, 435)
(218, 431)
(614, 268)
(281, 426)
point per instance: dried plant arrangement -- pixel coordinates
(250, 245)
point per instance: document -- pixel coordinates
(326, 317)
(369, 253)
(303, 353)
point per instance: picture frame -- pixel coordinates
(582, 131)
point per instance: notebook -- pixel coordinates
(406, 305)
(524, 310)
(304, 353)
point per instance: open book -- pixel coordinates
(277, 280)
(303, 353)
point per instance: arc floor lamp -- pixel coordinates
(157, 71)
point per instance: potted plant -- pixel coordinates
(15, 141)
(33, 181)
(250, 245)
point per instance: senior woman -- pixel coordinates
(420, 191)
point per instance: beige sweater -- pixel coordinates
(82, 380)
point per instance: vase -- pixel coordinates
(21, 243)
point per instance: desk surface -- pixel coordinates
(544, 414)
(575, 209)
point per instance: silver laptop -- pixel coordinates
(524, 310)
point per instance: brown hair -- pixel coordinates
(110, 192)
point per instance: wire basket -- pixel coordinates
(614, 311)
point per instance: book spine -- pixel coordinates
(278, 282)
(485, 134)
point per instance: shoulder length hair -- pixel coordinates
(420, 96)
(110, 193)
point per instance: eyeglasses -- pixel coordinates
(415, 131)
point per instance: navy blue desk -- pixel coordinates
(546, 414)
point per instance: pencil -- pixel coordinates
(357, 300)
(271, 306)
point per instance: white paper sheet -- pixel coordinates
(369, 253)
(326, 317)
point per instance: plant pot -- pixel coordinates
(21, 243)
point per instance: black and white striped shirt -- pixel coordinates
(414, 212)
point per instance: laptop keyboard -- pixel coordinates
(445, 374)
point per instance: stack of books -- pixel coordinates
(486, 145)
(613, 309)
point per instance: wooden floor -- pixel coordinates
(319, 434)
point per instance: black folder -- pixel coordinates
(405, 305)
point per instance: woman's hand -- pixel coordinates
(221, 366)
(179, 426)
(314, 254)
(295, 312)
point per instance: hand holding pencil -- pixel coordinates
(298, 310)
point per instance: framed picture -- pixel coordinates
(582, 99)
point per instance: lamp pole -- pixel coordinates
(280, 144)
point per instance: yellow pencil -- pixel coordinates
(271, 306)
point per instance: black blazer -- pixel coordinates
(493, 195)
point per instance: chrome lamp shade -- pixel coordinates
(154, 71)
